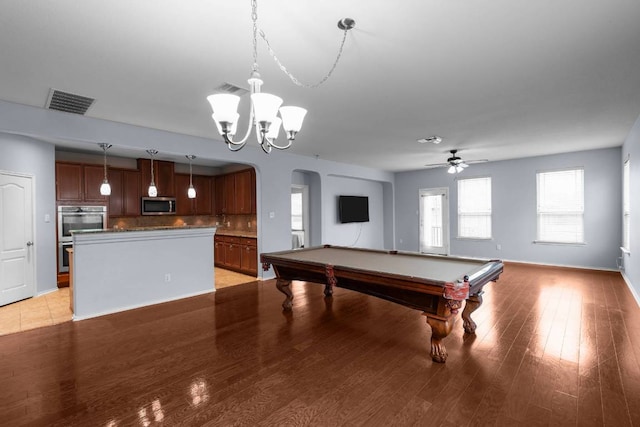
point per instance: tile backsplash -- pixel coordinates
(231, 222)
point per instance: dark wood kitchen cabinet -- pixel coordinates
(249, 256)
(93, 176)
(163, 175)
(69, 182)
(79, 183)
(202, 204)
(232, 253)
(235, 193)
(184, 205)
(236, 253)
(125, 192)
(245, 192)
(204, 194)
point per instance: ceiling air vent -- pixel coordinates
(68, 102)
(232, 89)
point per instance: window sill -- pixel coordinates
(543, 242)
(479, 239)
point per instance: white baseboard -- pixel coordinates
(631, 288)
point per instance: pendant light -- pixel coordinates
(153, 190)
(105, 188)
(191, 192)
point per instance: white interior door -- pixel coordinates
(17, 266)
(434, 221)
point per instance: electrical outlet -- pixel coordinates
(248, 224)
(499, 246)
(167, 277)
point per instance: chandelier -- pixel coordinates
(264, 106)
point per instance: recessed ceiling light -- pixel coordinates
(435, 139)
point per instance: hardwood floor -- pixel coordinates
(553, 346)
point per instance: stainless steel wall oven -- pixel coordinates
(71, 218)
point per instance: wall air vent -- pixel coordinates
(232, 89)
(68, 102)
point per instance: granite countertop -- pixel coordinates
(219, 230)
(236, 233)
(120, 230)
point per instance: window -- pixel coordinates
(561, 206)
(474, 208)
(626, 205)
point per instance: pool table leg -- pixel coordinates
(284, 286)
(473, 303)
(439, 331)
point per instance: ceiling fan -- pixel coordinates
(455, 163)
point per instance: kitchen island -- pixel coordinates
(122, 269)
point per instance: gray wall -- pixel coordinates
(514, 209)
(360, 234)
(631, 148)
(28, 156)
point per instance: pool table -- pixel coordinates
(433, 284)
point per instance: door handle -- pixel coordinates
(29, 243)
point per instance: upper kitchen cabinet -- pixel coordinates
(125, 192)
(245, 188)
(202, 204)
(78, 183)
(235, 193)
(163, 173)
(184, 205)
(93, 177)
(204, 196)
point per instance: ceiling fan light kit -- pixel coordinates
(265, 107)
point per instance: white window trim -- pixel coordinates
(553, 242)
(490, 214)
(626, 207)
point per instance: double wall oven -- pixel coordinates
(72, 218)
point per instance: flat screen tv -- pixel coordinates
(353, 209)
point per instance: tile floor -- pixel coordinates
(53, 308)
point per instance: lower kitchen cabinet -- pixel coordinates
(249, 255)
(236, 253)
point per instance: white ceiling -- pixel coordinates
(496, 79)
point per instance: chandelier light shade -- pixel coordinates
(152, 191)
(191, 192)
(263, 112)
(105, 188)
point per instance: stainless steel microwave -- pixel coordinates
(158, 206)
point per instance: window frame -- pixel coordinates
(626, 206)
(578, 211)
(477, 213)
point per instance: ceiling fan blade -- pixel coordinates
(436, 165)
(469, 162)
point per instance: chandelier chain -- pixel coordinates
(254, 18)
(291, 76)
(256, 30)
